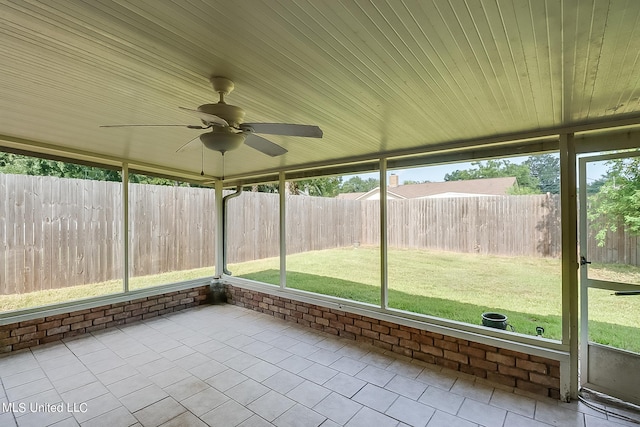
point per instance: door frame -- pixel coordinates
(602, 368)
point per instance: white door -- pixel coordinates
(609, 205)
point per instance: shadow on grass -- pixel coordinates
(525, 323)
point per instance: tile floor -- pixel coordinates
(227, 366)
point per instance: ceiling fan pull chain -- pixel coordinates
(202, 162)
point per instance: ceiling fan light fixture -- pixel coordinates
(222, 141)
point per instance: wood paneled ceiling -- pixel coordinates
(379, 77)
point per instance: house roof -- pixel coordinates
(381, 78)
(486, 186)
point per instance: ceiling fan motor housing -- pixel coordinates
(222, 139)
(232, 114)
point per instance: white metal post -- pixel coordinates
(125, 226)
(283, 230)
(384, 279)
(569, 224)
(219, 241)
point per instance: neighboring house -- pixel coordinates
(467, 188)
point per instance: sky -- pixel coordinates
(437, 173)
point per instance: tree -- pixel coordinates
(356, 184)
(527, 184)
(546, 168)
(618, 201)
(321, 187)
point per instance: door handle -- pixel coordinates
(583, 260)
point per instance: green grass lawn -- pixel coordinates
(442, 284)
(461, 287)
(52, 296)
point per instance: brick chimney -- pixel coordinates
(393, 180)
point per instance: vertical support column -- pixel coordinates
(219, 241)
(125, 226)
(569, 224)
(384, 282)
(282, 230)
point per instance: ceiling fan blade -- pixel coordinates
(188, 146)
(264, 145)
(182, 126)
(285, 129)
(209, 119)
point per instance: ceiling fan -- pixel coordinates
(228, 131)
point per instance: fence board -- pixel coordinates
(63, 232)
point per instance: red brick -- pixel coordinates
(131, 307)
(156, 307)
(9, 341)
(25, 344)
(336, 324)
(58, 330)
(533, 388)
(478, 353)
(52, 338)
(49, 325)
(330, 330)
(389, 339)
(370, 334)
(302, 308)
(347, 334)
(72, 319)
(133, 319)
(402, 350)
(422, 339)
(401, 334)
(431, 350)
(409, 344)
(531, 366)
(345, 320)
(429, 358)
(380, 328)
(33, 336)
(321, 321)
(484, 364)
(514, 372)
(389, 324)
(501, 359)
(515, 354)
(315, 312)
(449, 364)
(81, 325)
(24, 330)
(472, 370)
(544, 360)
(353, 329)
(56, 317)
(544, 380)
(447, 345)
(381, 344)
(456, 357)
(329, 316)
(501, 379)
(95, 315)
(25, 323)
(362, 324)
(115, 310)
(484, 347)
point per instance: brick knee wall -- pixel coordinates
(523, 371)
(30, 333)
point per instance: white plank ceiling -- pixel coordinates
(379, 77)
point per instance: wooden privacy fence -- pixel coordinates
(64, 232)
